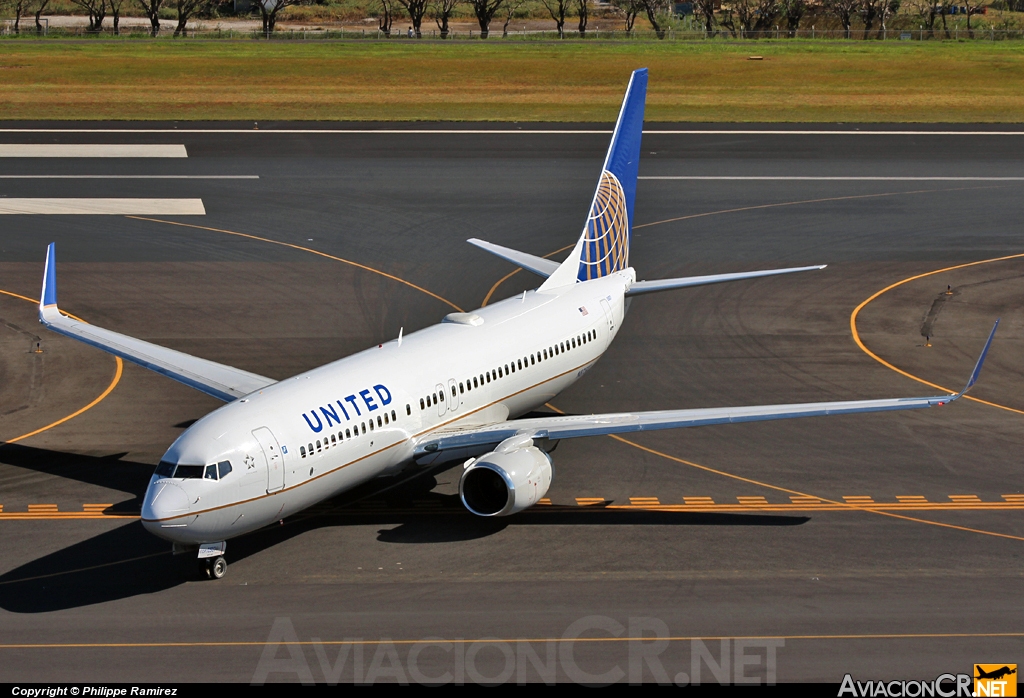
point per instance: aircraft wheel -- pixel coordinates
(218, 568)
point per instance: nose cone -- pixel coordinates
(164, 500)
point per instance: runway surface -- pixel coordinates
(888, 546)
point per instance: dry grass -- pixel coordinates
(833, 81)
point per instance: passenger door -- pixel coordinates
(608, 315)
(273, 458)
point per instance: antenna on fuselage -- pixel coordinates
(400, 331)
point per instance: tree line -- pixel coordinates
(738, 17)
(98, 11)
(487, 11)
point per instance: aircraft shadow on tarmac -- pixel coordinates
(110, 471)
(128, 560)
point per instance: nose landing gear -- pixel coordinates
(212, 564)
(213, 567)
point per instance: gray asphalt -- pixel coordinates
(843, 591)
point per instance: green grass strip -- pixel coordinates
(802, 81)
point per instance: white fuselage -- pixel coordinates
(312, 436)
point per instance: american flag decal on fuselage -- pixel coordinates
(606, 242)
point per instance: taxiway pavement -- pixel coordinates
(879, 593)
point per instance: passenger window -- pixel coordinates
(341, 437)
(379, 422)
(318, 449)
(453, 391)
(363, 425)
(386, 420)
(224, 467)
(211, 472)
(435, 399)
(488, 376)
(441, 395)
(461, 391)
(393, 417)
(408, 410)
(311, 448)
(348, 435)
(475, 383)
(520, 362)
(333, 440)
(302, 451)
(532, 362)
(422, 406)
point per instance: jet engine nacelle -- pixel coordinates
(509, 479)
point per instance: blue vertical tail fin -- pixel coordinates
(603, 248)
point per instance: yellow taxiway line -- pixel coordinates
(515, 640)
(589, 504)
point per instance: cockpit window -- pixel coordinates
(223, 468)
(164, 469)
(190, 471)
(211, 472)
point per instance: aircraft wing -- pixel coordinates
(224, 382)
(569, 427)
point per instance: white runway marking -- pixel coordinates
(116, 176)
(107, 207)
(91, 150)
(841, 179)
(484, 132)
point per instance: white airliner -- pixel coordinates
(446, 393)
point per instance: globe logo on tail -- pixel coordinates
(606, 241)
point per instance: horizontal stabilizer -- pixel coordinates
(668, 284)
(223, 382)
(538, 265)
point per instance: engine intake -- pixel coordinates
(506, 481)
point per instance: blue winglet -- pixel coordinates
(49, 295)
(981, 361)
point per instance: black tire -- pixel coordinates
(218, 568)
